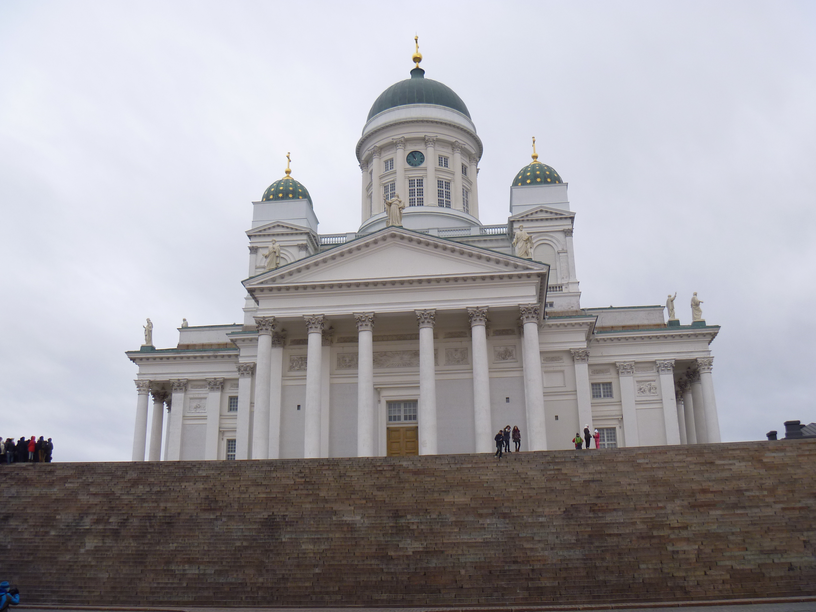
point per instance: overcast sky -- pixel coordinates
(134, 137)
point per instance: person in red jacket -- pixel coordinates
(32, 446)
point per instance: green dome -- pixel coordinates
(418, 90)
(536, 174)
(286, 189)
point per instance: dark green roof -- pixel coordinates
(418, 90)
(536, 174)
(286, 189)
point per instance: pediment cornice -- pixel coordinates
(279, 227)
(543, 213)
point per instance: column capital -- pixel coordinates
(266, 325)
(625, 368)
(179, 385)
(473, 160)
(327, 336)
(478, 315)
(457, 147)
(580, 355)
(568, 232)
(142, 387)
(399, 142)
(159, 396)
(375, 151)
(245, 370)
(705, 364)
(529, 313)
(430, 141)
(365, 321)
(426, 318)
(253, 249)
(314, 323)
(665, 366)
(215, 384)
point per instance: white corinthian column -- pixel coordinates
(175, 420)
(580, 357)
(365, 384)
(533, 379)
(626, 377)
(427, 383)
(481, 380)
(260, 425)
(698, 403)
(314, 367)
(665, 368)
(245, 371)
(705, 365)
(140, 428)
(154, 454)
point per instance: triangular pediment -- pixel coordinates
(277, 227)
(396, 253)
(543, 212)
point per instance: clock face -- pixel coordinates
(415, 158)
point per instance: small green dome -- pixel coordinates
(418, 90)
(286, 189)
(536, 174)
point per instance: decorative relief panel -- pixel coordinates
(198, 385)
(646, 389)
(503, 332)
(504, 353)
(644, 369)
(457, 334)
(297, 363)
(396, 359)
(299, 342)
(552, 359)
(598, 371)
(347, 361)
(396, 337)
(456, 356)
(197, 405)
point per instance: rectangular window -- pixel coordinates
(465, 200)
(232, 405)
(389, 190)
(443, 193)
(464, 170)
(443, 161)
(416, 191)
(602, 390)
(388, 165)
(402, 412)
(230, 449)
(608, 437)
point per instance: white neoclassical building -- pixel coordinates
(425, 331)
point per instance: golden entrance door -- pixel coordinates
(403, 441)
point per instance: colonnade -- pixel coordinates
(268, 372)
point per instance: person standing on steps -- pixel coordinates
(506, 434)
(587, 435)
(517, 437)
(578, 441)
(499, 443)
(597, 437)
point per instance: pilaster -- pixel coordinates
(175, 420)
(626, 378)
(580, 358)
(214, 388)
(242, 441)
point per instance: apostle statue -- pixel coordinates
(670, 306)
(273, 256)
(696, 311)
(184, 323)
(148, 331)
(394, 209)
(523, 243)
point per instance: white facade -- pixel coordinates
(436, 323)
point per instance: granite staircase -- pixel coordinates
(690, 523)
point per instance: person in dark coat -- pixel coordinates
(49, 450)
(22, 450)
(499, 443)
(11, 448)
(517, 438)
(41, 450)
(506, 434)
(587, 435)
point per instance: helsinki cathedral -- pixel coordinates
(424, 331)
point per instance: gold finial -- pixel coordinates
(288, 159)
(417, 56)
(535, 155)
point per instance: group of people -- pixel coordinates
(503, 440)
(26, 451)
(579, 441)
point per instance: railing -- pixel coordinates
(333, 239)
(555, 288)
